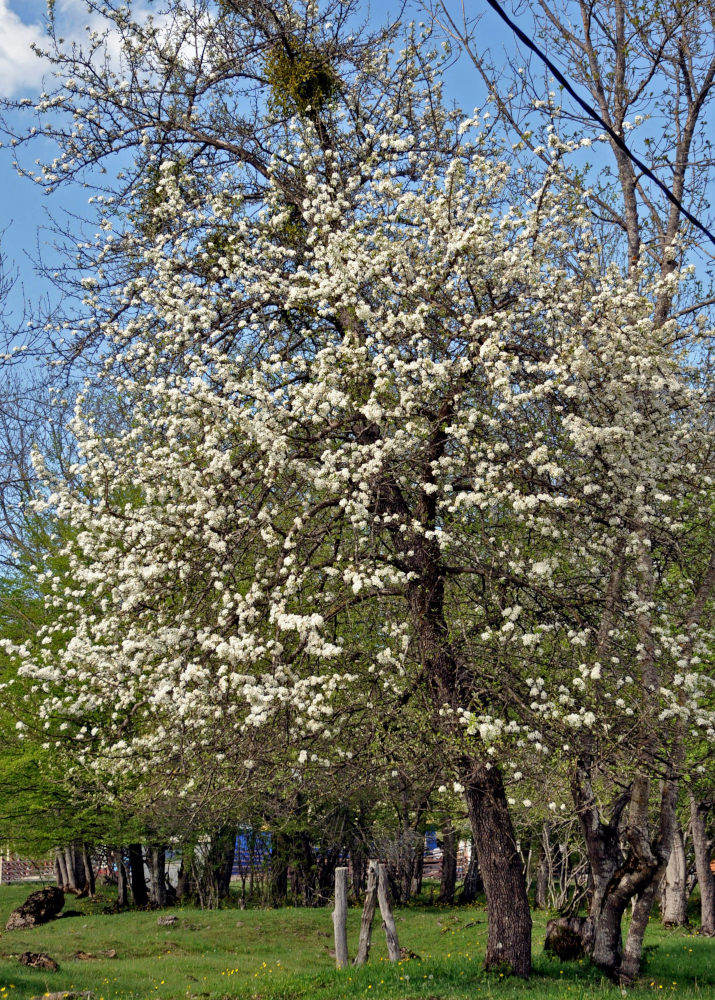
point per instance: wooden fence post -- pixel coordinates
(388, 921)
(368, 912)
(340, 918)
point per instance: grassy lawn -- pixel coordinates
(285, 955)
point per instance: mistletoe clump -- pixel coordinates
(302, 78)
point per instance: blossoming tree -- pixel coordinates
(393, 434)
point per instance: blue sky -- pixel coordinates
(24, 207)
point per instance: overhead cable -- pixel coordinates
(592, 113)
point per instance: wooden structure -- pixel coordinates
(15, 869)
(377, 894)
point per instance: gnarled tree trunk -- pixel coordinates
(618, 878)
(450, 683)
(280, 853)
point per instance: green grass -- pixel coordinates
(285, 955)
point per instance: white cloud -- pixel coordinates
(20, 69)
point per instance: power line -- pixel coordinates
(592, 113)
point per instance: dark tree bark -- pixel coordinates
(140, 893)
(450, 683)
(359, 869)
(183, 880)
(618, 877)
(509, 931)
(633, 951)
(402, 868)
(418, 868)
(448, 880)
(157, 861)
(648, 855)
(307, 871)
(224, 869)
(280, 851)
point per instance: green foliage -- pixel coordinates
(301, 77)
(42, 805)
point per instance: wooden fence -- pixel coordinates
(14, 869)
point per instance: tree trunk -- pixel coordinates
(648, 860)
(419, 868)
(403, 866)
(157, 860)
(472, 880)
(226, 870)
(605, 856)
(183, 879)
(359, 869)
(617, 878)
(61, 868)
(136, 871)
(606, 915)
(278, 888)
(122, 880)
(88, 870)
(509, 931)
(448, 880)
(633, 951)
(674, 905)
(219, 862)
(509, 917)
(71, 868)
(706, 878)
(542, 870)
